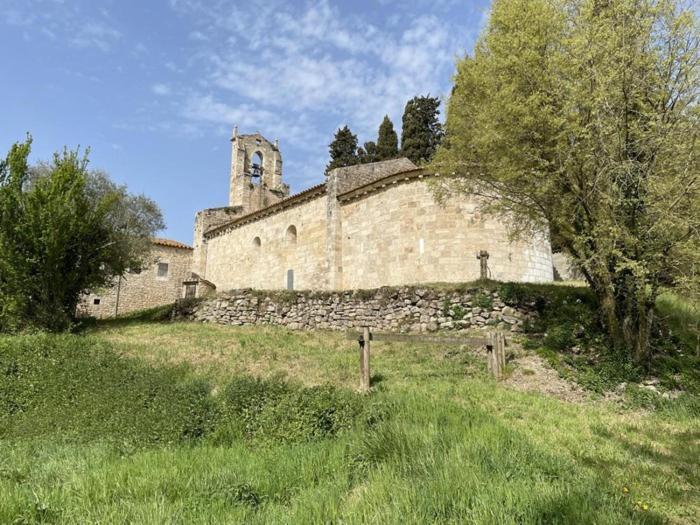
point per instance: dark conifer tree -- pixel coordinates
(343, 149)
(387, 140)
(422, 131)
(368, 153)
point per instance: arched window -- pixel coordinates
(256, 242)
(292, 234)
(256, 168)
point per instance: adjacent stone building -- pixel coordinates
(157, 284)
(366, 226)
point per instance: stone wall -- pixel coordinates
(565, 268)
(235, 259)
(402, 309)
(351, 177)
(401, 235)
(206, 220)
(145, 289)
(387, 236)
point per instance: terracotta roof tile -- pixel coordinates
(170, 243)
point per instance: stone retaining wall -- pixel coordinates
(401, 309)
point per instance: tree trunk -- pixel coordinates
(627, 316)
(610, 319)
(640, 333)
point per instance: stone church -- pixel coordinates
(366, 226)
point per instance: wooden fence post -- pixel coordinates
(495, 349)
(364, 359)
(490, 354)
(496, 356)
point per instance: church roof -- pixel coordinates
(170, 243)
(292, 200)
(351, 177)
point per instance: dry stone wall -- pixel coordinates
(401, 309)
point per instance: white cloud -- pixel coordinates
(206, 108)
(95, 34)
(317, 62)
(198, 36)
(63, 20)
(294, 72)
(161, 89)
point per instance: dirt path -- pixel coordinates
(532, 374)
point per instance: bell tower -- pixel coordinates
(256, 172)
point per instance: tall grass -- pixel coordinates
(436, 442)
(683, 318)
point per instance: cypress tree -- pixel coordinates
(422, 131)
(368, 153)
(343, 149)
(387, 140)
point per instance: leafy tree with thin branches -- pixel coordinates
(64, 230)
(582, 116)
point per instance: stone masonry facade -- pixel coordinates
(399, 309)
(366, 226)
(155, 285)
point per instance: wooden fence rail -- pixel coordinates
(495, 345)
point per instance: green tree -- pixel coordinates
(583, 115)
(343, 149)
(387, 140)
(421, 130)
(368, 152)
(63, 231)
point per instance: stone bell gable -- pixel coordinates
(256, 172)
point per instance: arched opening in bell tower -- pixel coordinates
(256, 168)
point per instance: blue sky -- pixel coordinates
(154, 87)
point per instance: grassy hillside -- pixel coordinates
(163, 423)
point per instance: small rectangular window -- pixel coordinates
(162, 270)
(96, 301)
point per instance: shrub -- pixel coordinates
(75, 387)
(278, 411)
(483, 300)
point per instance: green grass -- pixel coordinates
(683, 318)
(437, 441)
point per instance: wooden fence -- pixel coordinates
(495, 345)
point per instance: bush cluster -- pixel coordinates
(79, 389)
(274, 410)
(568, 333)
